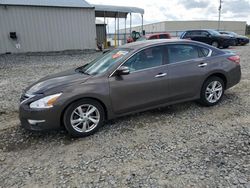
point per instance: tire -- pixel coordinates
(208, 97)
(215, 44)
(225, 46)
(83, 118)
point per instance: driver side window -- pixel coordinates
(148, 58)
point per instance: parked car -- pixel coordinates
(134, 37)
(149, 37)
(211, 37)
(132, 78)
(240, 39)
(155, 36)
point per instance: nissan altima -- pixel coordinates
(132, 78)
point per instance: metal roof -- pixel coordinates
(48, 3)
(115, 11)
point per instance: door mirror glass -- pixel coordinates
(123, 70)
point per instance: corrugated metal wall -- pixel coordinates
(46, 29)
(236, 26)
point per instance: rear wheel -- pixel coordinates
(215, 44)
(83, 117)
(212, 91)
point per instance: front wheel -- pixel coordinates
(83, 117)
(212, 91)
(215, 44)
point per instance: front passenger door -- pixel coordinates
(145, 86)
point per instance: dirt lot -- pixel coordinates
(183, 145)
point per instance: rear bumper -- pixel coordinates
(234, 77)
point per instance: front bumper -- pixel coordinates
(243, 41)
(39, 119)
(228, 42)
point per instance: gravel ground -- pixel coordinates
(183, 145)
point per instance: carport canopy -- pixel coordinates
(110, 11)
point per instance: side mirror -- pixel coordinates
(123, 70)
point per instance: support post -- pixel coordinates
(142, 24)
(118, 32)
(115, 33)
(219, 15)
(105, 40)
(125, 37)
(130, 30)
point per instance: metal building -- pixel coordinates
(177, 27)
(46, 25)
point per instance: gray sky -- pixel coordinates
(162, 10)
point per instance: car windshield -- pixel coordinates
(104, 62)
(142, 39)
(213, 32)
(228, 33)
(232, 33)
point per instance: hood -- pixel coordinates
(242, 36)
(56, 80)
(226, 36)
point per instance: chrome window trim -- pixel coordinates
(210, 52)
(148, 68)
(156, 45)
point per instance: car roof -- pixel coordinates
(155, 34)
(146, 43)
(200, 30)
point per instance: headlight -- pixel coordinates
(46, 102)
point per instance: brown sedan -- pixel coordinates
(132, 78)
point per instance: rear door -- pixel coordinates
(186, 69)
(196, 36)
(145, 86)
(205, 37)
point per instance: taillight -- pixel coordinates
(235, 59)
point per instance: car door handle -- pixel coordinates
(160, 75)
(202, 65)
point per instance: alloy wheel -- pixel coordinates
(214, 91)
(85, 118)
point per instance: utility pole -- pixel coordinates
(219, 15)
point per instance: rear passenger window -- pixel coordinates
(204, 33)
(180, 52)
